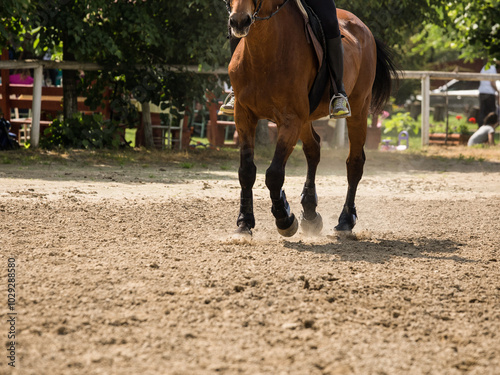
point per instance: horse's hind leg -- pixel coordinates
(275, 177)
(355, 162)
(311, 222)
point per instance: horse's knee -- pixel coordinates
(356, 160)
(316, 136)
(312, 152)
(275, 178)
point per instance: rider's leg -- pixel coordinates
(327, 13)
(335, 55)
(228, 107)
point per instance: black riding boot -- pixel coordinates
(339, 106)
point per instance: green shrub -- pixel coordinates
(83, 132)
(401, 121)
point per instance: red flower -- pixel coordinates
(472, 120)
(459, 117)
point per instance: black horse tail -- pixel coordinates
(386, 71)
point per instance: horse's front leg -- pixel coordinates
(311, 221)
(275, 177)
(246, 126)
(355, 162)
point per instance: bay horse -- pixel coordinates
(272, 71)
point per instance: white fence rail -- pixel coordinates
(38, 66)
(426, 77)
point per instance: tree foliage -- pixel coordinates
(82, 131)
(425, 30)
(392, 21)
(135, 39)
(472, 27)
(11, 14)
(122, 31)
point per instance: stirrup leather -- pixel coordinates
(332, 109)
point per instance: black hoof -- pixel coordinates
(243, 232)
(347, 220)
(288, 229)
(312, 227)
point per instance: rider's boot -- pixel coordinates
(228, 107)
(339, 105)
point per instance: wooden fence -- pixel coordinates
(424, 76)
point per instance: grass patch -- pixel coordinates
(415, 141)
(30, 159)
(467, 159)
(226, 159)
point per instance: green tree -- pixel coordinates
(472, 27)
(392, 21)
(134, 40)
(11, 14)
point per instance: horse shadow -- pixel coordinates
(350, 248)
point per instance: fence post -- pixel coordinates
(5, 87)
(340, 132)
(147, 123)
(426, 85)
(37, 106)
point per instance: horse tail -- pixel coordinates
(386, 70)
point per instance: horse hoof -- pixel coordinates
(344, 228)
(242, 234)
(312, 227)
(346, 223)
(291, 230)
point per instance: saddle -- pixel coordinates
(315, 36)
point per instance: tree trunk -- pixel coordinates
(70, 80)
(4, 90)
(148, 130)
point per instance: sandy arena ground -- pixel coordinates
(125, 265)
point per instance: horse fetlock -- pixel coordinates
(347, 219)
(286, 222)
(246, 219)
(280, 208)
(309, 202)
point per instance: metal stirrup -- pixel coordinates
(337, 97)
(229, 97)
